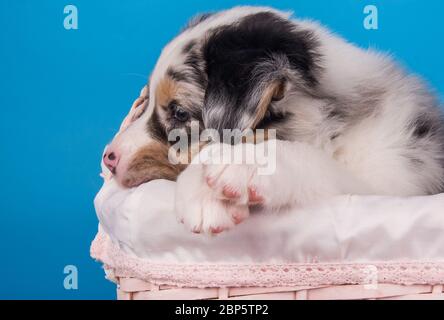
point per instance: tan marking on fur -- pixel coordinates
(185, 158)
(338, 153)
(166, 91)
(275, 91)
(255, 138)
(151, 163)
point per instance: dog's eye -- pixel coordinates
(181, 115)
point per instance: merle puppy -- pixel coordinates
(347, 120)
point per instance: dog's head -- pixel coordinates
(235, 69)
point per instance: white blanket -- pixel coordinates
(344, 229)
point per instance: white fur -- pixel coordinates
(369, 156)
(303, 175)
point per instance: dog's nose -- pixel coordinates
(111, 159)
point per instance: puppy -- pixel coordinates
(346, 120)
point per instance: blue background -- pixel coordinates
(64, 92)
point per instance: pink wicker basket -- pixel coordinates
(138, 279)
(136, 289)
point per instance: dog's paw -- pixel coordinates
(198, 207)
(213, 216)
(213, 196)
(235, 182)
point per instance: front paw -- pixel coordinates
(213, 197)
(237, 182)
(200, 209)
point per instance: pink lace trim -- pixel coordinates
(263, 275)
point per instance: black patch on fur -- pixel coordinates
(273, 119)
(422, 126)
(351, 110)
(335, 136)
(336, 113)
(254, 38)
(427, 125)
(194, 64)
(196, 114)
(156, 129)
(232, 54)
(189, 46)
(177, 75)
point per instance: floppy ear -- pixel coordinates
(272, 91)
(251, 63)
(137, 109)
(240, 99)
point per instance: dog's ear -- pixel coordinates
(252, 63)
(239, 94)
(260, 98)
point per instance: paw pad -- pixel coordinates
(210, 181)
(254, 197)
(230, 192)
(217, 230)
(238, 217)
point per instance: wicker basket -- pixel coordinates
(138, 279)
(135, 289)
(127, 272)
